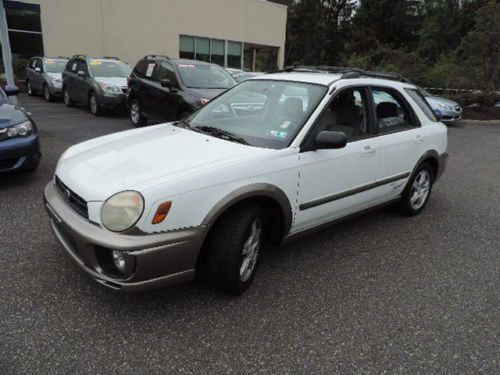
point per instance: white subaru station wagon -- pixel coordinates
(271, 159)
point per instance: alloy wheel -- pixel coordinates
(250, 252)
(135, 113)
(420, 189)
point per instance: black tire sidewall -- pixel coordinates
(68, 103)
(46, 90)
(98, 109)
(225, 245)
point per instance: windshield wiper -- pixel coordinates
(219, 133)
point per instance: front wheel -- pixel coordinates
(136, 115)
(418, 191)
(46, 94)
(67, 98)
(232, 249)
(95, 107)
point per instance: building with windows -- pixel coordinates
(245, 34)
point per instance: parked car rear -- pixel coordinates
(163, 89)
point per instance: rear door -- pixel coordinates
(400, 138)
(144, 88)
(69, 77)
(81, 85)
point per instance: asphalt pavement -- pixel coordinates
(377, 294)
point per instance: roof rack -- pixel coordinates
(156, 56)
(346, 73)
(80, 55)
(110, 58)
(62, 57)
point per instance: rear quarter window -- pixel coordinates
(419, 98)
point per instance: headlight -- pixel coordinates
(122, 211)
(110, 89)
(23, 129)
(445, 106)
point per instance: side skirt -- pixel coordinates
(303, 232)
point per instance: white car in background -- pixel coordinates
(152, 206)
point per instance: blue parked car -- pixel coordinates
(446, 110)
(19, 147)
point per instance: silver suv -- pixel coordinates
(44, 76)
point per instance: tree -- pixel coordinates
(481, 47)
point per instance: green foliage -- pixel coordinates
(443, 43)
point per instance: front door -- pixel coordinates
(334, 183)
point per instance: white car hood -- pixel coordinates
(117, 81)
(137, 159)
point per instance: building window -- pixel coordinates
(217, 51)
(25, 34)
(234, 50)
(186, 47)
(202, 48)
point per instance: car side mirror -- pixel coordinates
(38, 70)
(81, 73)
(11, 90)
(330, 140)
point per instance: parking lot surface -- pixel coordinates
(379, 293)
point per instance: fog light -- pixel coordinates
(119, 261)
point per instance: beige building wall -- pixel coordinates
(130, 29)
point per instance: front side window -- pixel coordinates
(106, 68)
(205, 76)
(260, 112)
(55, 65)
(166, 71)
(419, 97)
(392, 113)
(346, 113)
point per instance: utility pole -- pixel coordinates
(6, 53)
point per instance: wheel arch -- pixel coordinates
(272, 199)
(432, 157)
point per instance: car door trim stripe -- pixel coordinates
(347, 193)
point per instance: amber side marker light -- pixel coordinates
(162, 212)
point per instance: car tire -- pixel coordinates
(67, 98)
(46, 93)
(30, 90)
(136, 116)
(417, 191)
(95, 107)
(232, 249)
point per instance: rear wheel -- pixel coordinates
(418, 190)
(67, 98)
(46, 93)
(95, 107)
(232, 249)
(136, 116)
(30, 89)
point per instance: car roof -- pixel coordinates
(327, 79)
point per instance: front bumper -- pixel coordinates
(19, 154)
(450, 116)
(112, 101)
(160, 259)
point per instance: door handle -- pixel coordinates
(419, 138)
(368, 151)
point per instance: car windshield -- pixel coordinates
(107, 68)
(55, 65)
(205, 76)
(261, 113)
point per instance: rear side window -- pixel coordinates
(392, 111)
(166, 71)
(419, 98)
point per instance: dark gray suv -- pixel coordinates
(44, 76)
(98, 83)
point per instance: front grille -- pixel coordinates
(74, 200)
(7, 163)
